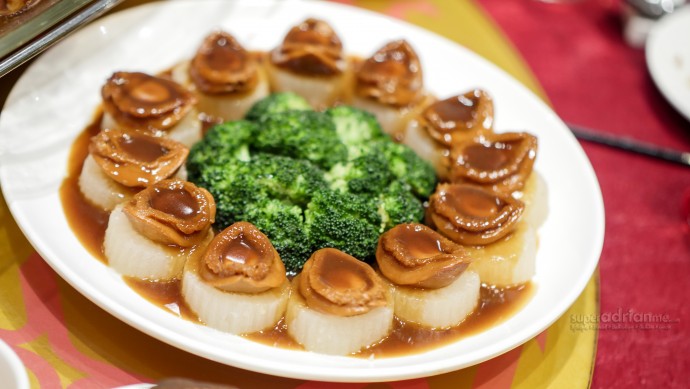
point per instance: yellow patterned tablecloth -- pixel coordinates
(66, 341)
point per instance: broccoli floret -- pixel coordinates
(303, 135)
(366, 174)
(398, 205)
(223, 142)
(233, 188)
(236, 184)
(344, 221)
(283, 224)
(276, 103)
(407, 166)
(355, 127)
(289, 179)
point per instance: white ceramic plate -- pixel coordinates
(668, 58)
(12, 371)
(56, 96)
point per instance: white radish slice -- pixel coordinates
(393, 120)
(104, 192)
(320, 92)
(236, 313)
(417, 138)
(188, 131)
(134, 255)
(336, 335)
(438, 308)
(228, 106)
(509, 261)
(535, 197)
(99, 189)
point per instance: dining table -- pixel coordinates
(572, 54)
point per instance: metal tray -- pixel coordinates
(41, 24)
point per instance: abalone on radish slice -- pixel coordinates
(431, 284)
(310, 62)
(239, 284)
(226, 78)
(120, 163)
(339, 305)
(390, 85)
(502, 245)
(139, 101)
(152, 235)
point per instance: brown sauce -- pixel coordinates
(242, 251)
(420, 244)
(142, 148)
(488, 158)
(89, 222)
(176, 202)
(473, 202)
(341, 273)
(167, 295)
(446, 113)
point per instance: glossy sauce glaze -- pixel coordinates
(341, 275)
(488, 157)
(142, 148)
(178, 203)
(446, 113)
(241, 251)
(425, 245)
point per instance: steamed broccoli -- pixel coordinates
(310, 180)
(231, 185)
(293, 180)
(407, 166)
(276, 103)
(348, 222)
(301, 134)
(355, 127)
(366, 174)
(236, 184)
(283, 224)
(398, 205)
(223, 142)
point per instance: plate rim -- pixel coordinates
(330, 374)
(655, 42)
(15, 364)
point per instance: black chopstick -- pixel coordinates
(631, 145)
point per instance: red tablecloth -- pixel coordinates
(593, 78)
